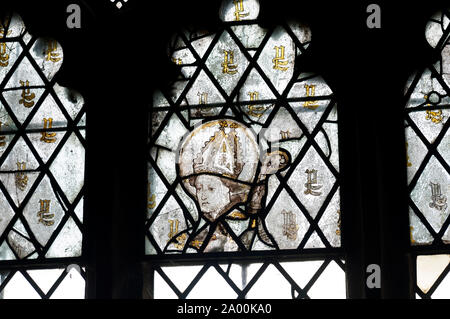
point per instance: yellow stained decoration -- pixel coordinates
(21, 177)
(3, 25)
(177, 61)
(237, 215)
(228, 66)
(151, 198)
(4, 56)
(338, 231)
(51, 54)
(196, 243)
(407, 156)
(411, 235)
(173, 231)
(310, 92)
(45, 217)
(254, 110)
(239, 10)
(46, 136)
(434, 116)
(181, 239)
(27, 96)
(279, 61)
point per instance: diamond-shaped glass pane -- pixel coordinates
(227, 62)
(277, 59)
(311, 181)
(429, 194)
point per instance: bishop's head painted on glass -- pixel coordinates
(219, 163)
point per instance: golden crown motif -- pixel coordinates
(222, 153)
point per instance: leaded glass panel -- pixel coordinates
(433, 280)
(427, 141)
(243, 149)
(42, 166)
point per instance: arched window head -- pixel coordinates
(42, 162)
(428, 158)
(243, 160)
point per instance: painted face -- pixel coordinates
(212, 194)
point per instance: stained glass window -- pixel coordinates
(243, 154)
(428, 157)
(42, 159)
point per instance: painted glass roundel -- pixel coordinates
(243, 149)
